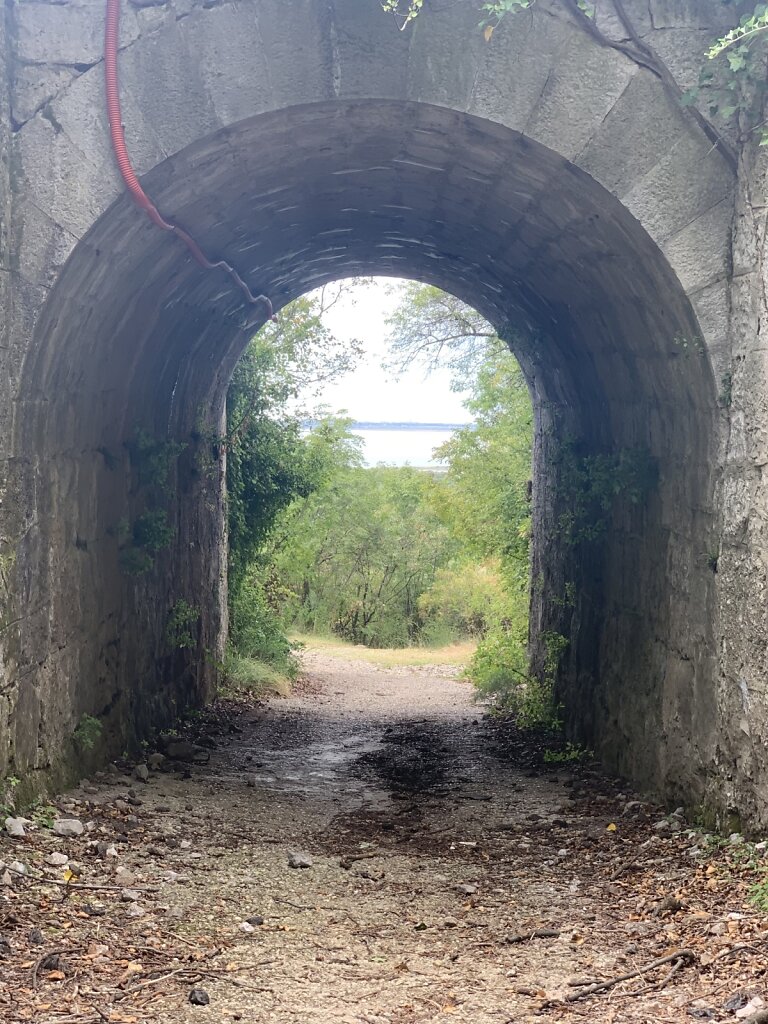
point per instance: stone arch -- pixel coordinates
(552, 181)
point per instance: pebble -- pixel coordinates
(67, 827)
(6, 878)
(185, 844)
(156, 761)
(199, 997)
(57, 860)
(247, 928)
(130, 895)
(36, 937)
(135, 911)
(299, 860)
(141, 773)
(18, 867)
(467, 888)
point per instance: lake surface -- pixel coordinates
(403, 444)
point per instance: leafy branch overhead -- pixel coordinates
(493, 11)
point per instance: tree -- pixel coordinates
(269, 461)
(435, 329)
(356, 555)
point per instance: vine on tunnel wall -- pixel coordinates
(149, 532)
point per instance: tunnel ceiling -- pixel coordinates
(298, 198)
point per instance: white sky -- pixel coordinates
(369, 393)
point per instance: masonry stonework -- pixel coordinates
(552, 178)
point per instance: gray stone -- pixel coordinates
(299, 860)
(68, 827)
(57, 860)
(15, 827)
(141, 772)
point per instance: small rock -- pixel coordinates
(299, 860)
(111, 851)
(451, 922)
(255, 920)
(130, 895)
(57, 860)
(18, 867)
(467, 888)
(36, 937)
(247, 928)
(68, 827)
(736, 839)
(182, 750)
(135, 911)
(124, 877)
(199, 997)
(562, 853)
(186, 844)
(663, 827)
(6, 878)
(156, 761)
(15, 827)
(141, 773)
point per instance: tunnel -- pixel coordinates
(135, 345)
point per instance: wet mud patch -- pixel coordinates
(413, 759)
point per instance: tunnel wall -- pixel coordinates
(662, 648)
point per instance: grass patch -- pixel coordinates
(395, 657)
(248, 676)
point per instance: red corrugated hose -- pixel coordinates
(138, 194)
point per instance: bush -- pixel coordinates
(248, 675)
(256, 633)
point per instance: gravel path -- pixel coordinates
(435, 861)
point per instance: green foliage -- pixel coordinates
(732, 84)
(149, 534)
(356, 556)
(152, 459)
(269, 462)
(433, 329)
(255, 630)
(182, 619)
(464, 600)
(404, 11)
(592, 484)
(88, 732)
(252, 677)
(140, 540)
(43, 814)
(571, 753)
(749, 28)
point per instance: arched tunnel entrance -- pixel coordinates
(136, 337)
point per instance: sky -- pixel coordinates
(369, 393)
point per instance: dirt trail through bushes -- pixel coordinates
(448, 878)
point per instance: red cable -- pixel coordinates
(138, 194)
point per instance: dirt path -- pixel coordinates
(435, 860)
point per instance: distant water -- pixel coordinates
(403, 444)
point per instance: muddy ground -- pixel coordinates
(453, 877)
